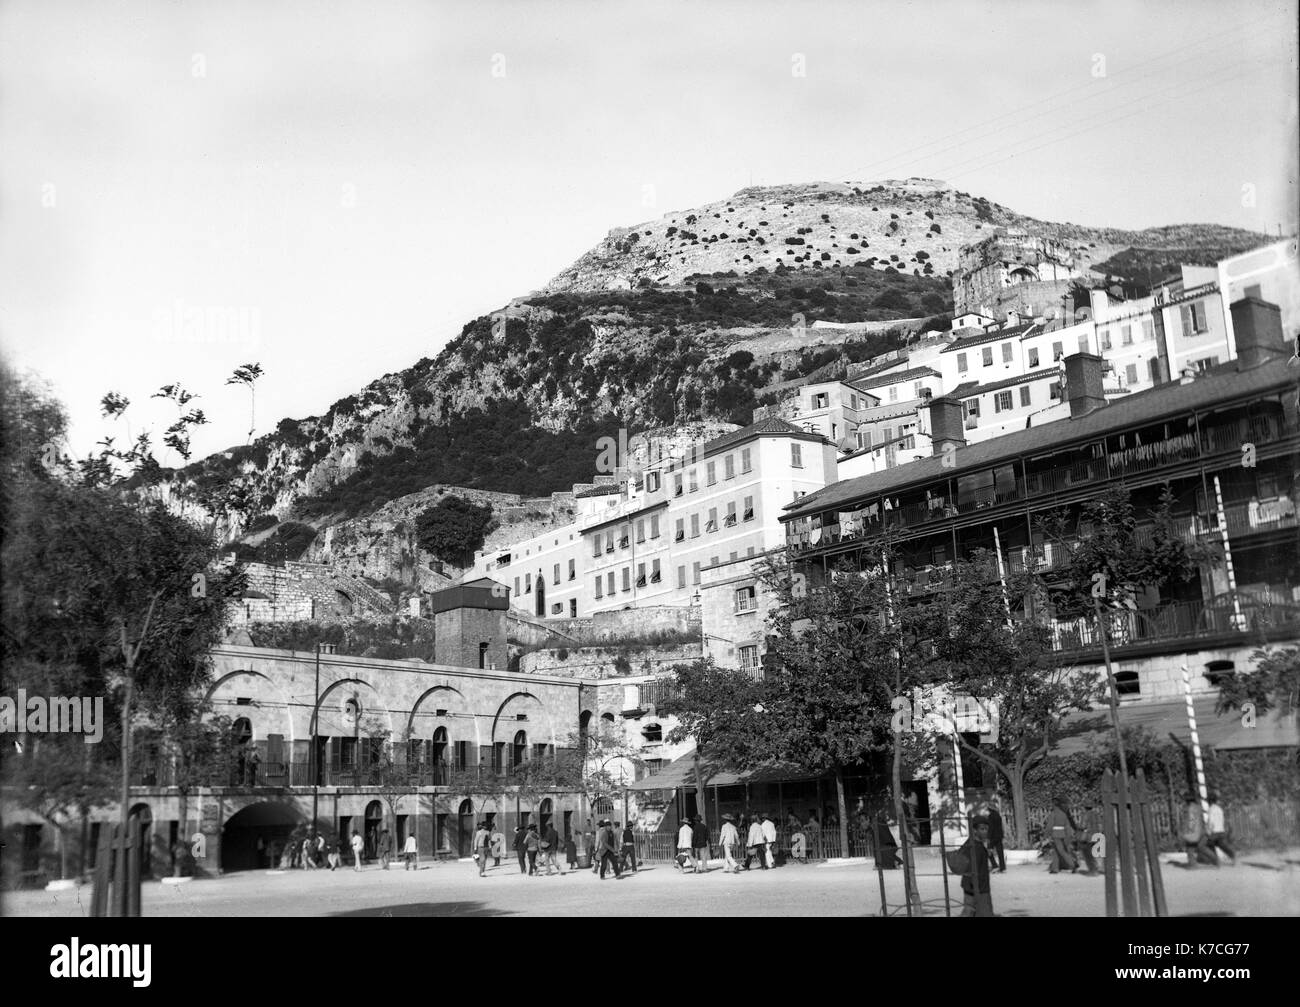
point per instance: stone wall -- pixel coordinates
(297, 591)
(607, 662)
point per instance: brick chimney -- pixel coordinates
(1257, 325)
(947, 425)
(1083, 372)
(470, 625)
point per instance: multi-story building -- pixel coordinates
(1189, 436)
(650, 534)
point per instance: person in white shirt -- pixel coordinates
(684, 855)
(756, 842)
(769, 837)
(1217, 827)
(729, 839)
(411, 854)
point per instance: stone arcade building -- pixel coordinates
(319, 733)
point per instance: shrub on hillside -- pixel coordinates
(453, 529)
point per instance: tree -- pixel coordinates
(200, 747)
(247, 375)
(453, 528)
(1275, 683)
(847, 663)
(1007, 666)
(106, 592)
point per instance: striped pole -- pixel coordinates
(1002, 574)
(1196, 743)
(1238, 622)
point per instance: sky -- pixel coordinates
(333, 189)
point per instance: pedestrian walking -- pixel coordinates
(1089, 827)
(385, 849)
(813, 829)
(550, 847)
(1193, 833)
(520, 833)
(756, 845)
(571, 850)
(769, 839)
(729, 839)
(322, 852)
(685, 838)
(629, 848)
(532, 843)
(1060, 829)
(977, 894)
(411, 854)
(996, 851)
(358, 847)
(309, 853)
(336, 856)
(1217, 827)
(700, 845)
(608, 845)
(498, 846)
(482, 847)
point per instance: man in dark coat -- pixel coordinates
(608, 846)
(700, 845)
(520, 833)
(995, 836)
(886, 845)
(977, 896)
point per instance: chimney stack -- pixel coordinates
(1083, 372)
(1257, 325)
(947, 425)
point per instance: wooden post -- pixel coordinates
(1109, 809)
(131, 882)
(1139, 795)
(1153, 854)
(943, 860)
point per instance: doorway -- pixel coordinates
(544, 815)
(465, 830)
(374, 825)
(143, 819)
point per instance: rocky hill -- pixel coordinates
(704, 314)
(916, 223)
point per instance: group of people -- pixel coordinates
(1072, 841)
(610, 847)
(756, 836)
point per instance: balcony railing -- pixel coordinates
(300, 774)
(1188, 620)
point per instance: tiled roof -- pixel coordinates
(892, 377)
(1141, 407)
(768, 427)
(1015, 332)
(975, 388)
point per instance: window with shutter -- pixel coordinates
(1024, 395)
(961, 362)
(986, 356)
(1007, 352)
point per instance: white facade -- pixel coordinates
(648, 541)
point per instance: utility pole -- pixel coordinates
(315, 749)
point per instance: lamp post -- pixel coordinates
(315, 756)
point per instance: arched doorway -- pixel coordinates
(544, 814)
(519, 750)
(584, 729)
(374, 826)
(142, 818)
(241, 739)
(465, 830)
(540, 597)
(251, 838)
(438, 756)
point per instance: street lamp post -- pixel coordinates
(315, 756)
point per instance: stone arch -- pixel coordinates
(331, 716)
(539, 724)
(1021, 274)
(269, 713)
(268, 823)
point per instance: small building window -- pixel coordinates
(1127, 684)
(746, 599)
(796, 455)
(986, 356)
(653, 732)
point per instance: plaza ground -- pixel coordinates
(1262, 884)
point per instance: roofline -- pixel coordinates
(1281, 381)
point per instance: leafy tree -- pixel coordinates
(247, 375)
(453, 528)
(717, 709)
(847, 660)
(1006, 664)
(1275, 683)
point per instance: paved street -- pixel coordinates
(1263, 884)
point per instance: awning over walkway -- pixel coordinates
(1224, 732)
(681, 773)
